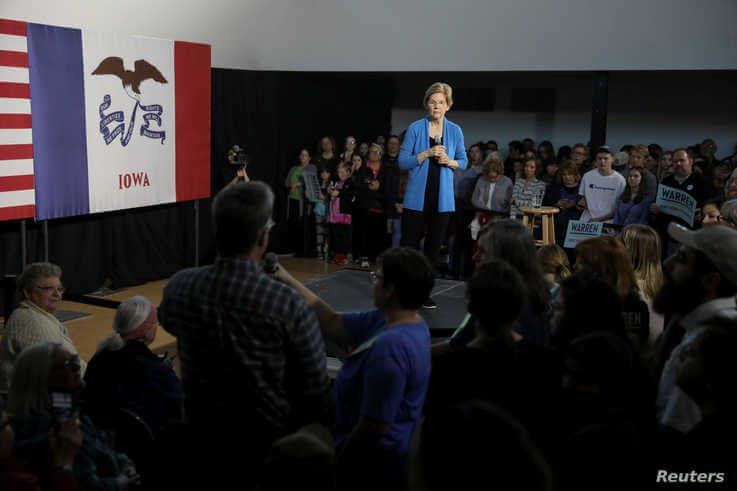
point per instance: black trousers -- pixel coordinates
(340, 238)
(372, 237)
(413, 227)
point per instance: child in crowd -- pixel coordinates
(555, 265)
(339, 215)
(321, 212)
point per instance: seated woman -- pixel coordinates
(125, 374)
(46, 381)
(564, 194)
(493, 191)
(33, 321)
(528, 189)
(633, 207)
(380, 390)
(518, 376)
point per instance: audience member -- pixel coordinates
(601, 187)
(125, 374)
(700, 283)
(299, 211)
(493, 190)
(607, 411)
(633, 206)
(302, 460)
(728, 213)
(325, 155)
(233, 322)
(33, 321)
(465, 179)
(349, 148)
(564, 194)
(637, 159)
(518, 376)
(722, 171)
(686, 180)
(342, 197)
(606, 258)
(381, 388)
(392, 183)
(43, 396)
(528, 189)
(578, 156)
(585, 304)
(19, 475)
(730, 187)
(370, 219)
(476, 445)
(706, 375)
(564, 153)
(528, 145)
(642, 244)
(710, 212)
(666, 165)
(514, 155)
(510, 240)
(363, 149)
(554, 262)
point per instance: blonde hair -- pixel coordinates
(641, 149)
(643, 247)
(553, 260)
(439, 88)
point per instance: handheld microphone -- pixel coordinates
(271, 263)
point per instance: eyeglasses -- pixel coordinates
(72, 362)
(376, 275)
(49, 289)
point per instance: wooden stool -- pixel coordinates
(547, 216)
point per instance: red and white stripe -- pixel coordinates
(17, 195)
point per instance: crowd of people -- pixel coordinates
(604, 366)
(358, 209)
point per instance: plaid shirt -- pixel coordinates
(251, 349)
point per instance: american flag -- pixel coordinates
(17, 195)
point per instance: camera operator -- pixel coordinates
(235, 171)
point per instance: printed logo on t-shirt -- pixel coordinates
(601, 188)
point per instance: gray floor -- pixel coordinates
(350, 291)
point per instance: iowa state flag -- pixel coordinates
(116, 121)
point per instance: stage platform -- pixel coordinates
(349, 290)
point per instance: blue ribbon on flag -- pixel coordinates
(153, 113)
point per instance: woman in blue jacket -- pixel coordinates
(433, 147)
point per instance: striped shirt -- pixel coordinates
(251, 348)
(525, 192)
(17, 195)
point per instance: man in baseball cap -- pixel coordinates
(699, 288)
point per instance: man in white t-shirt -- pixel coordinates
(601, 187)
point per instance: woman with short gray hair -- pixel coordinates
(33, 321)
(125, 374)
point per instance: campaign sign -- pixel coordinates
(579, 231)
(678, 203)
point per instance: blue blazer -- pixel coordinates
(416, 141)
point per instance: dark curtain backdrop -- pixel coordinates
(271, 114)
